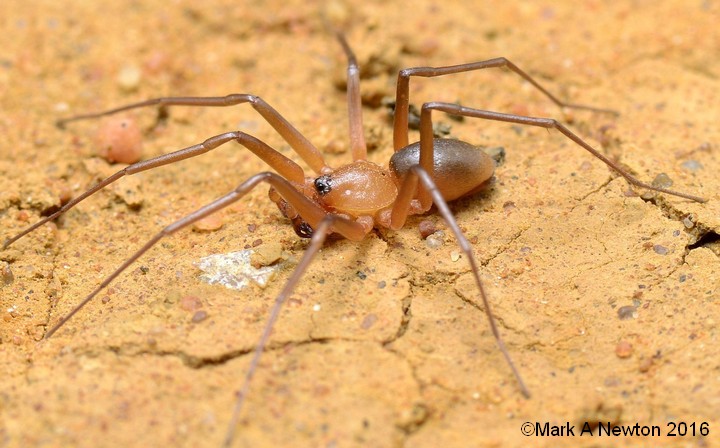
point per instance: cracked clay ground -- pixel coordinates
(608, 302)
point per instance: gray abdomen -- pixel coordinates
(459, 168)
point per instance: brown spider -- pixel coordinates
(353, 199)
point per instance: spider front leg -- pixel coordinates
(320, 220)
(347, 228)
(311, 212)
(295, 139)
(286, 167)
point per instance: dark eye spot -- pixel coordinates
(302, 228)
(322, 185)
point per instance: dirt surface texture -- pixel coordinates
(607, 297)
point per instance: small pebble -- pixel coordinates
(435, 240)
(209, 223)
(190, 303)
(129, 78)
(266, 254)
(119, 140)
(156, 63)
(368, 321)
(662, 250)
(627, 312)
(585, 166)
(692, 165)
(22, 216)
(662, 180)
(645, 365)
(6, 274)
(426, 228)
(623, 349)
(199, 316)
(64, 193)
(689, 221)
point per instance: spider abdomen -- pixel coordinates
(459, 168)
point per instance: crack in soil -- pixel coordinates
(581, 200)
(501, 249)
(694, 228)
(408, 425)
(710, 240)
(421, 411)
(132, 350)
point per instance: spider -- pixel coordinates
(352, 199)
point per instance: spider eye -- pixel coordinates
(322, 185)
(302, 228)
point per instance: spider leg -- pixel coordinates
(426, 143)
(295, 139)
(286, 167)
(402, 98)
(310, 211)
(349, 229)
(399, 214)
(357, 138)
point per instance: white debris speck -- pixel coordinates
(61, 107)
(435, 240)
(316, 307)
(129, 78)
(234, 271)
